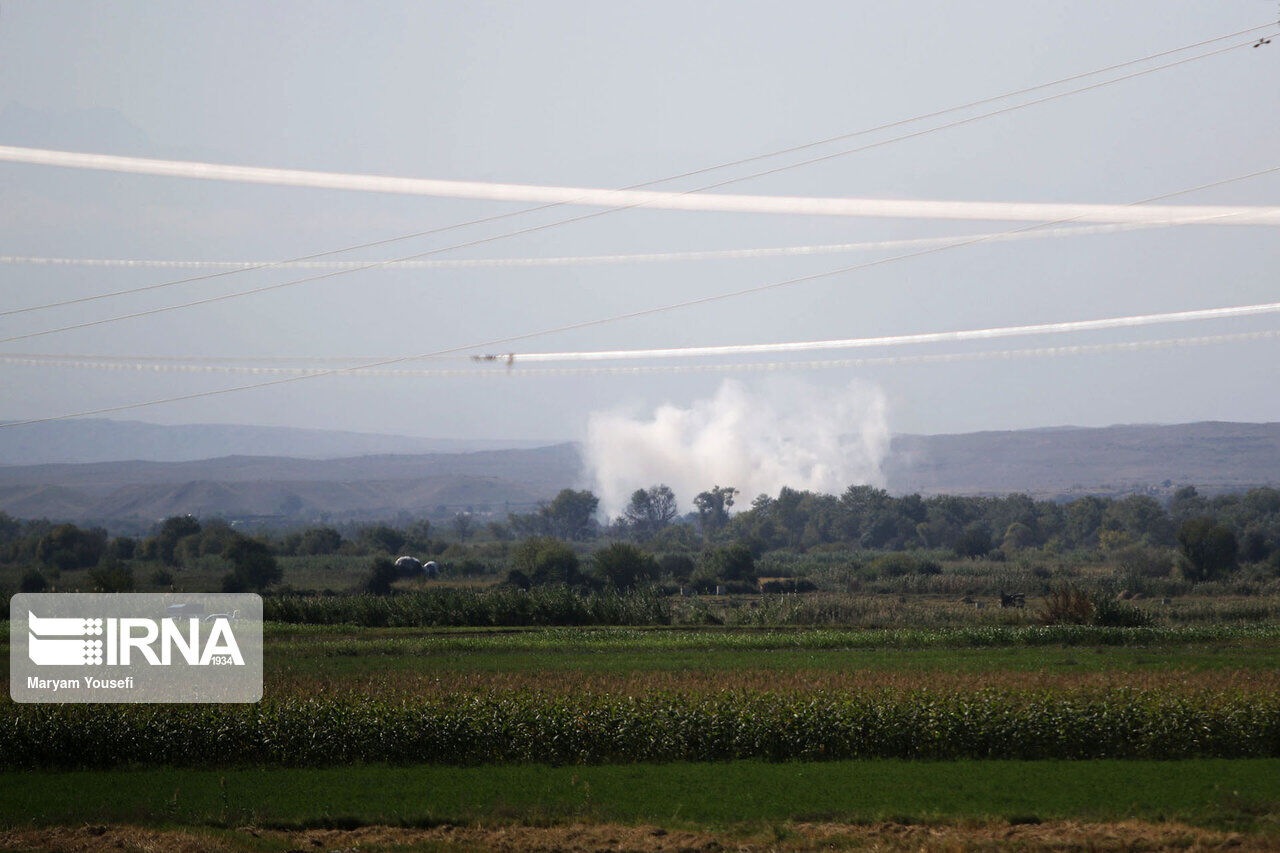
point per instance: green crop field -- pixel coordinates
(737, 731)
(1220, 793)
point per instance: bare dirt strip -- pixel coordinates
(571, 838)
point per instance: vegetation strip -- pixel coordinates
(635, 639)
(500, 728)
(1237, 794)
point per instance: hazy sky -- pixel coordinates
(611, 94)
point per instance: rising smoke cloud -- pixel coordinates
(756, 440)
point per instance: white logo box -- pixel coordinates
(135, 647)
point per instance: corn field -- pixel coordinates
(526, 727)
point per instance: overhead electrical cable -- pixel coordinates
(1070, 326)
(580, 218)
(698, 201)
(508, 339)
(582, 324)
(112, 363)
(688, 303)
(648, 199)
(592, 260)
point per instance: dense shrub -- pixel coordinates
(1073, 605)
(33, 581)
(546, 561)
(382, 574)
(254, 567)
(624, 566)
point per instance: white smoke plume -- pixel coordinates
(756, 440)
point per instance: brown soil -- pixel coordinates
(1055, 835)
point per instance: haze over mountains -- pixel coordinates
(261, 474)
(103, 440)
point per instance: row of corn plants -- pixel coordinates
(524, 727)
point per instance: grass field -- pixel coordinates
(412, 727)
(1231, 794)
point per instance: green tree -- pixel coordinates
(624, 566)
(974, 541)
(67, 547)
(1186, 504)
(572, 513)
(1208, 549)
(112, 576)
(546, 561)
(713, 508)
(679, 567)
(253, 567)
(317, 541)
(731, 563)
(463, 526)
(1083, 520)
(172, 530)
(1018, 537)
(380, 538)
(650, 510)
(1143, 518)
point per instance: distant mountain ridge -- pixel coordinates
(1058, 462)
(103, 440)
(1062, 461)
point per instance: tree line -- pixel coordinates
(706, 545)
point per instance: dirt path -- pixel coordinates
(1057, 835)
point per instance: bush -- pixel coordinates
(901, 563)
(112, 576)
(733, 563)
(1110, 612)
(254, 566)
(1072, 605)
(678, 567)
(1140, 562)
(382, 574)
(380, 538)
(624, 566)
(546, 561)
(319, 541)
(1067, 605)
(33, 581)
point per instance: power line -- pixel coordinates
(1126, 322)
(687, 303)
(113, 363)
(577, 325)
(585, 260)
(648, 199)
(533, 229)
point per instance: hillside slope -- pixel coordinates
(1053, 463)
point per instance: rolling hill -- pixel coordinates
(1054, 463)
